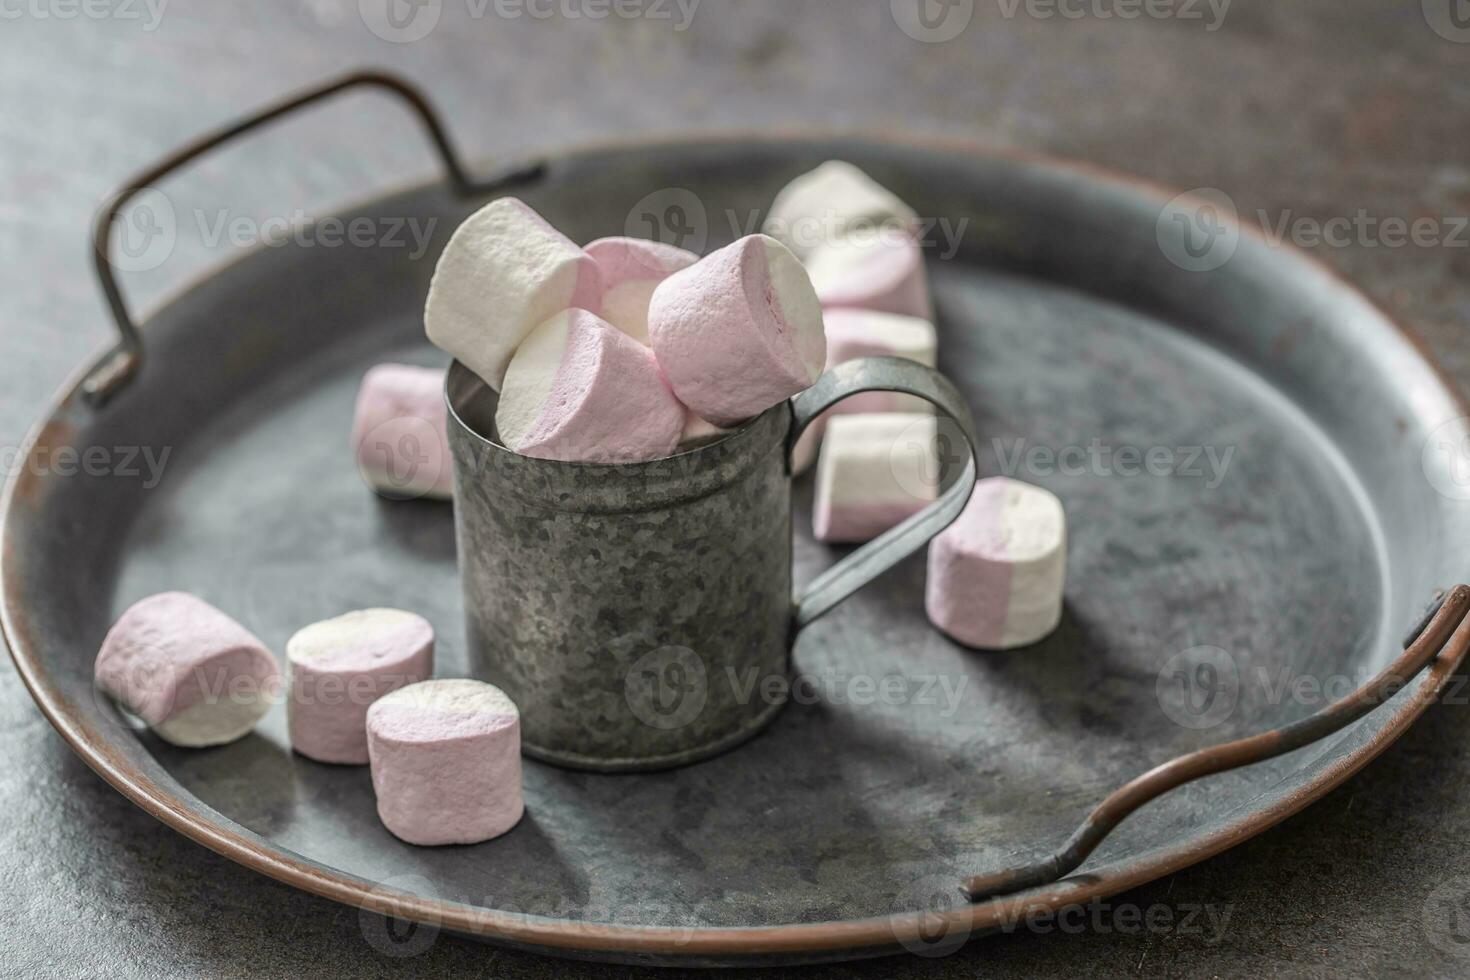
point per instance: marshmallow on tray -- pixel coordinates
(582, 391)
(863, 333)
(446, 761)
(738, 331)
(193, 674)
(504, 271)
(339, 667)
(882, 271)
(631, 268)
(398, 432)
(832, 202)
(875, 471)
(996, 575)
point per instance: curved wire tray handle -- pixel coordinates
(1444, 629)
(122, 364)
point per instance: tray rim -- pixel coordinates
(868, 936)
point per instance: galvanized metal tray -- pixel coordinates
(1257, 465)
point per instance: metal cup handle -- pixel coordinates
(896, 544)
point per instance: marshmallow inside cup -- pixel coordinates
(631, 269)
(580, 390)
(193, 674)
(446, 761)
(504, 271)
(997, 574)
(738, 331)
(831, 203)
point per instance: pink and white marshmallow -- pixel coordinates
(581, 390)
(631, 269)
(738, 331)
(863, 333)
(503, 273)
(446, 762)
(882, 272)
(997, 574)
(875, 472)
(399, 432)
(833, 202)
(193, 674)
(339, 667)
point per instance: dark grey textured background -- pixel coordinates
(1318, 107)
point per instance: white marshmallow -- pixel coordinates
(998, 573)
(882, 272)
(829, 204)
(504, 272)
(875, 471)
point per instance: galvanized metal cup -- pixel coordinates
(642, 615)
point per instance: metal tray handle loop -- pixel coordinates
(121, 365)
(1443, 634)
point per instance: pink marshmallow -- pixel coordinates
(399, 432)
(339, 667)
(446, 762)
(193, 674)
(582, 391)
(882, 271)
(504, 271)
(631, 268)
(738, 331)
(854, 333)
(997, 574)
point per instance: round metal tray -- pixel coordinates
(1063, 321)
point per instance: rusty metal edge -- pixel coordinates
(870, 935)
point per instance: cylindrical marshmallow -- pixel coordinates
(504, 272)
(697, 432)
(631, 268)
(864, 333)
(883, 272)
(875, 471)
(398, 432)
(738, 331)
(193, 674)
(339, 667)
(996, 575)
(581, 390)
(446, 761)
(831, 203)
